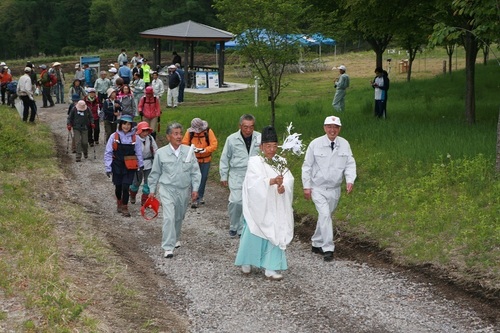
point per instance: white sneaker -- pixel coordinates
(272, 275)
(246, 269)
(169, 254)
(178, 244)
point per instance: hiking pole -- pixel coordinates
(67, 143)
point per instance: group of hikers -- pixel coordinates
(260, 196)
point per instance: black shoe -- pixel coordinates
(91, 144)
(328, 256)
(194, 205)
(317, 250)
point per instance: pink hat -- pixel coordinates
(149, 90)
(81, 105)
(150, 204)
(143, 126)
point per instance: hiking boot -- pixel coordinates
(132, 196)
(119, 206)
(78, 158)
(86, 155)
(125, 211)
(144, 197)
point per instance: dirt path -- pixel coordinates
(200, 290)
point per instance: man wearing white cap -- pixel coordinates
(328, 160)
(174, 81)
(341, 84)
(25, 93)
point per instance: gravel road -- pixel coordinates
(202, 284)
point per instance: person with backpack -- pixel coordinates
(93, 105)
(5, 79)
(59, 86)
(112, 109)
(80, 120)
(46, 87)
(149, 109)
(76, 88)
(122, 160)
(205, 143)
(11, 93)
(149, 148)
(90, 76)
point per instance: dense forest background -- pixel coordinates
(62, 27)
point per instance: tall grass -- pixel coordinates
(426, 187)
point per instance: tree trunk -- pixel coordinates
(471, 49)
(498, 143)
(273, 111)
(449, 51)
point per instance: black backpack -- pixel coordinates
(191, 135)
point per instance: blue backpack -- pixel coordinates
(12, 87)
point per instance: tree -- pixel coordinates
(478, 19)
(263, 27)
(412, 36)
(376, 21)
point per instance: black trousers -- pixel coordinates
(27, 105)
(47, 97)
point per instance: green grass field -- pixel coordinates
(426, 187)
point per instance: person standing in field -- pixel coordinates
(157, 84)
(80, 120)
(176, 176)
(328, 160)
(122, 58)
(267, 209)
(381, 85)
(341, 84)
(25, 93)
(239, 147)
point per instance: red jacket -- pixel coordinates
(149, 107)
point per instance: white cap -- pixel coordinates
(77, 65)
(2, 63)
(112, 70)
(342, 67)
(27, 69)
(172, 67)
(332, 120)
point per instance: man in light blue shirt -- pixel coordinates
(233, 163)
(176, 175)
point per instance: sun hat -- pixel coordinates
(342, 67)
(81, 105)
(126, 119)
(143, 126)
(332, 120)
(149, 90)
(112, 70)
(75, 97)
(77, 65)
(2, 63)
(150, 204)
(43, 66)
(91, 90)
(56, 64)
(198, 125)
(172, 67)
(109, 92)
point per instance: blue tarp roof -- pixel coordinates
(303, 39)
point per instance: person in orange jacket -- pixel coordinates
(205, 143)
